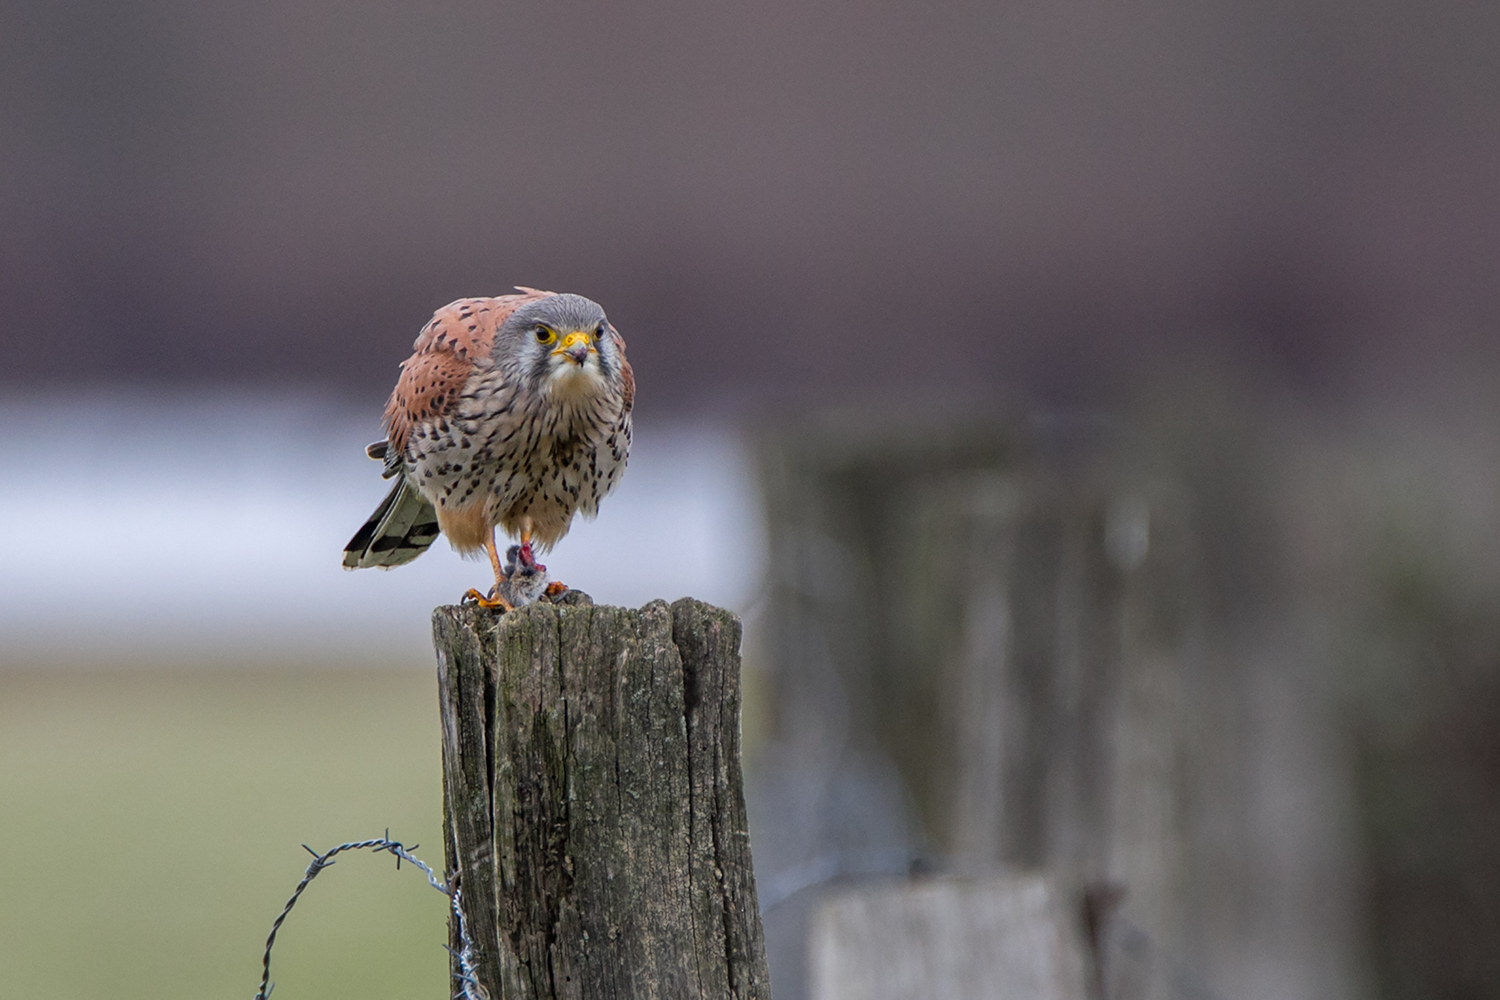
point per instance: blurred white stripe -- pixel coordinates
(139, 528)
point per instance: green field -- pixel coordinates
(151, 824)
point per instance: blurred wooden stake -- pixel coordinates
(594, 804)
(951, 939)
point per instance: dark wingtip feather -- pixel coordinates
(354, 552)
(402, 528)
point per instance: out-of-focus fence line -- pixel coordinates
(999, 646)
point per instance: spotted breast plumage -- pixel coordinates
(512, 412)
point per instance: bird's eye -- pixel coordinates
(599, 333)
(544, 335)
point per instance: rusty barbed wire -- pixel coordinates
(470, 989)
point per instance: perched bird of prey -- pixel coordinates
(513, 412)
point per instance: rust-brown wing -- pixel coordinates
(443, 358)
(627, 376)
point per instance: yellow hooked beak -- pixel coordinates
(576, 346)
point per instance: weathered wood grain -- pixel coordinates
(595, 809)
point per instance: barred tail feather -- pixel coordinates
(402, 528)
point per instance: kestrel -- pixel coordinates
(513, 412)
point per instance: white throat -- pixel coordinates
(575, 383)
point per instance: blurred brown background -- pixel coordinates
(1225, 271)
(768, 197)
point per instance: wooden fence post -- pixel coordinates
(594, 806)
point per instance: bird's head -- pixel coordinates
(563, 344)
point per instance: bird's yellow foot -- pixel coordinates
(472, 596)
(555, 588)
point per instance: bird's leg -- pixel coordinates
(497, 601)
(494, 554)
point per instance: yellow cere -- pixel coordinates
(576, 337)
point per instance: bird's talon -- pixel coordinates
(555, 588)
(472, 596)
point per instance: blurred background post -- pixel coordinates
(1091, 411)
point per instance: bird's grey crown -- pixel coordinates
(564, 311)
